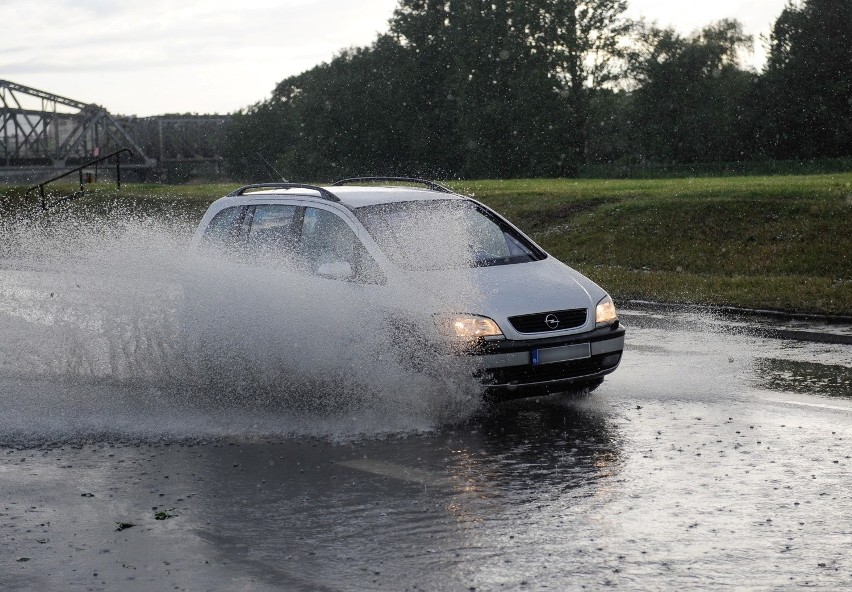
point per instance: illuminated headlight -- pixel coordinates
(468, 327)
(605, 312)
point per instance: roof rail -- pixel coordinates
(324, 193)
(430, 184)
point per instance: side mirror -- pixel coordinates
(336, 270)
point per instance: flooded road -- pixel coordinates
(716, 457)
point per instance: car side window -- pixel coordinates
(273, 230)
(326, 238)
(224, 227)
(328, 245)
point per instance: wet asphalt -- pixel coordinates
(717, 457)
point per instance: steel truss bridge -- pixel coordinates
(42, 133)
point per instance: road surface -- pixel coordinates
(716, 457)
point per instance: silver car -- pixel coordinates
(530, 324)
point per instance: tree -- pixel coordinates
(504, 60)
(808, 81)
(346, 116)
(689, 104)
(584, 42)
(339, 118)
(255, 134)
(475, 88)
(487, 97)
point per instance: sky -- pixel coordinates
(219, 56)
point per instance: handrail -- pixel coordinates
(324, 193)
(44, 204)
(430, 184)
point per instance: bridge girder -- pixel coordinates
(53, 136)
(41, 129)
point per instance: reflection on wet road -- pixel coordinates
(715, 458)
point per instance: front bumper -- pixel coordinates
(510, 369)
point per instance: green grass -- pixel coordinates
(779, 242)
(772, 242)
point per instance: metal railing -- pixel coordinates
(43, 199)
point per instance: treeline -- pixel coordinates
(506, 88)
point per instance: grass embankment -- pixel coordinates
(779, 242)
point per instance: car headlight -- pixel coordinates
(468, 327)
(605, 312)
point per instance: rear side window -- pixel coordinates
(224, 227)
(273, 229)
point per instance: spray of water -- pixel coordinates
(111, 325)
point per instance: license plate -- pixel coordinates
(563, 353)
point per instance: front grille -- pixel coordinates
(537, 323)
(531, 374)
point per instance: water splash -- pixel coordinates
(112, 325)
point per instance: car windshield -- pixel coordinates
(444, 234)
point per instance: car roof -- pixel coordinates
(352, 196)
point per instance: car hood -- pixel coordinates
(504, 291)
